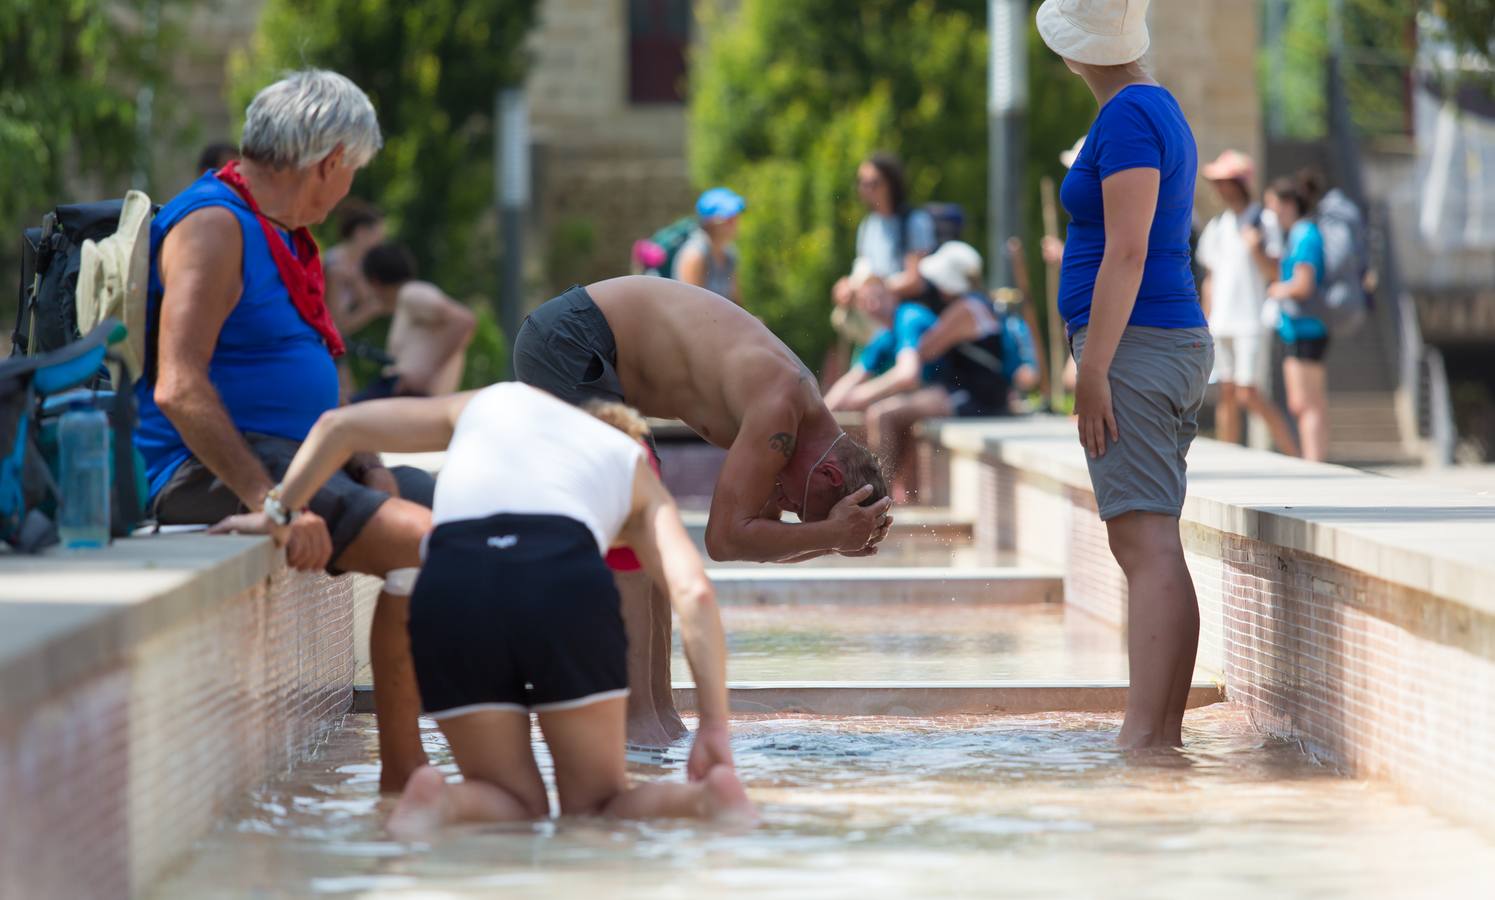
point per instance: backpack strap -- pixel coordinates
(122, 420)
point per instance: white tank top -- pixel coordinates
(517, 449)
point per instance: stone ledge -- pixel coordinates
(1432, 539)
(67, 615)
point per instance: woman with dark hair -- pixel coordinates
(1126, 291)
(1305, 337)
(891, 240)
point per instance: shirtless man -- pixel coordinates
(674, 350)
(360, 227)
(430, 333)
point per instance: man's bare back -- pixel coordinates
(427, 337)
(686, 353)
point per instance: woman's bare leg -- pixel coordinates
(587, 747)
(649, 725)
(1282, 436)
(1308, 400)
(1162, 627)
(501, 782)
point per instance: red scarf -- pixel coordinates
(300, 271)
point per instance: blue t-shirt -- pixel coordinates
(910, 321)
(1141, 127)
(1305, 244)
(1017, 346)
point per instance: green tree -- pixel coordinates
(70, 71)
(787, 96)
(1379, 49)
(432, 70)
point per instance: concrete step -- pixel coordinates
(1371, 453)
(785, 586)
(885, 699)
(915, 700)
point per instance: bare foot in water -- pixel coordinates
(726, 800)
(422, 808)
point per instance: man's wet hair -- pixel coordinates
(389, 263)
(860, 466)
(353, 214)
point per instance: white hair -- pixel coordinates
(297, 121)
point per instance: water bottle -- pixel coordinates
(83, 514)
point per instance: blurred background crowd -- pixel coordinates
(821, 162)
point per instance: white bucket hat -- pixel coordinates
(1095, 32)
(112, 278)
(955, 268)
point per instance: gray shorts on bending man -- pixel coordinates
(1158, 379)
(567, 348)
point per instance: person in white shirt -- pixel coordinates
(514, 612)
(1237, 250)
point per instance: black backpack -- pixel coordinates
(50, 259)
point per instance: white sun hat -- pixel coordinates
(112, 278)
(955, 268)
(1095, 32)
(1069, 156)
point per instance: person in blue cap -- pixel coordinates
(708, 258)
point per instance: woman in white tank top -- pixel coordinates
(515, 612)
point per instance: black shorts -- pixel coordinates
(516, 613)
(567, 348)
(195, 496)
(1312, 350)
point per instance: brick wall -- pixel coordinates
(1371, 676)
(108, 781)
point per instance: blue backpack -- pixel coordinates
(28, 489)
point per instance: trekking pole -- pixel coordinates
(1025, 290)
(1057, 354)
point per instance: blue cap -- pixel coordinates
(720, 203)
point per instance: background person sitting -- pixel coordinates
(240, 365)
(360, 227)
(709, 257)
(215, 156)
(430, 333)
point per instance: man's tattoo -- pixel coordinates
(783, 442)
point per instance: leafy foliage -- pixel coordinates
(69, 72)
(432, 70)
(788, 96)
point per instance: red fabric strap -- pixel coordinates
(301, 272)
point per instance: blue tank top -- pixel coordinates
(271, 369)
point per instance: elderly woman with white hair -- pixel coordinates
(239, 366)
(1126, 291)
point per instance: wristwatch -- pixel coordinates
(274, 510)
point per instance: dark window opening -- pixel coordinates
(658, 33)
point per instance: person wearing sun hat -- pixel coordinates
(1127, 295)
(1236, 249)
(708, 258)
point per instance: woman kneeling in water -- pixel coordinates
(515, 612)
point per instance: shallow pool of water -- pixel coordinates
(946, 642)
(1033, 806)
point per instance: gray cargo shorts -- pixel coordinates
(1158, 378)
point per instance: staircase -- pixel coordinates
(1366, 427)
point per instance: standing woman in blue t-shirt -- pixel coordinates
(1126, 291)
(1305, 337)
